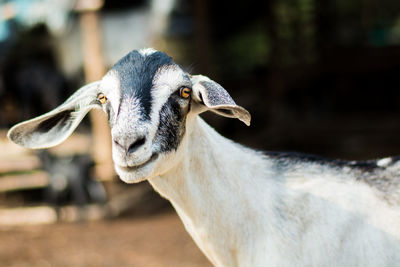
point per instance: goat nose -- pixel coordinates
(130, 147)
(136, 144)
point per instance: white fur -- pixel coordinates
(147, 51)
(110, 84)
(242, 212)
(384, 162)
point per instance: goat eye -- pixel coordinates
(102, 98)
(185, 92)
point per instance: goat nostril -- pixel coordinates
(117, 143)
(135, 145)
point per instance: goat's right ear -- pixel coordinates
(212, 96)
(55, 126)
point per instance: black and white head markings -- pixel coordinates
(148, 99)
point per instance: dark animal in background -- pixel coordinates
(71, 182)
(30, 79)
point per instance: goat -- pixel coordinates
(242, 207)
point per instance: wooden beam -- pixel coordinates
(48, 215)
(37, 179)
(19, 164)
(94, 70)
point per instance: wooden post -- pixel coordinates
(203, 42)
(94, 70)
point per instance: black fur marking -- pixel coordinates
(136, 73)
(59, 119)
(171, 126)
(110, 113)
(201, 99)
(287, 158)
(384, 177)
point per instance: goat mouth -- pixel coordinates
(136, 167)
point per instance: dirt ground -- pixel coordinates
(158, 240)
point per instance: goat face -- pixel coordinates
(148, 99)
(147, 111)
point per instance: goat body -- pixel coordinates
(242, 207)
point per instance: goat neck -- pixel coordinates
(212, 197)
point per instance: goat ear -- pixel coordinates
(216, 99)
(55, 126)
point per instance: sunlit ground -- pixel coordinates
(159, 240)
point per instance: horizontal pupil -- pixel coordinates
(102, 98)
(185, 92)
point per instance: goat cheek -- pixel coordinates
(172, 127)
(110, 113)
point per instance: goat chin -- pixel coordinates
(132, 175)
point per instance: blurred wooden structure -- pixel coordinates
(94, 70)
(15, 163)
(20, 168)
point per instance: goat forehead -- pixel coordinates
(129, 110)
(135, 73)
(129, 121)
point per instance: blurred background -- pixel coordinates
(318, 77)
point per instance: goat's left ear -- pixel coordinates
(215, 98)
